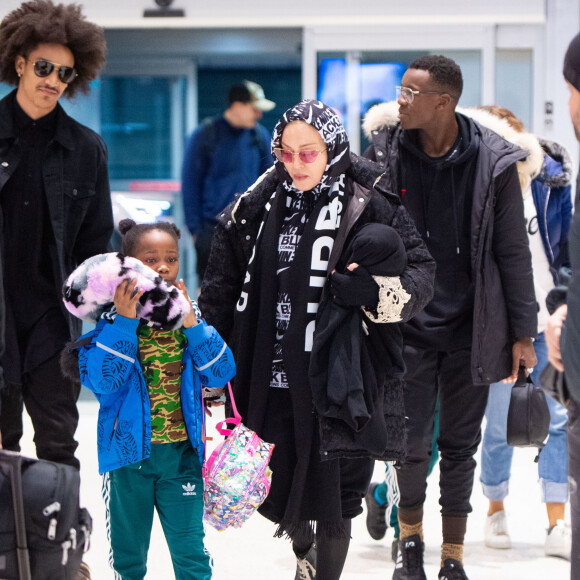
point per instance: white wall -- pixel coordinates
(562, 25)
(226, 13)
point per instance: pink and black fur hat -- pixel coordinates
(88, 292)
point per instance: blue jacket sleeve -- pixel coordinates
(193, 175)
(107, 362)
(212, 357)
(566, 215)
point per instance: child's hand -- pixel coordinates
(352, 267)
(190, 319)
(126, 297)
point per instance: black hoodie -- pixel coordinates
(438, 192)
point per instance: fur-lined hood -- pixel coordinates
(384, 115)
(560, 172)
(530, 167)
(379, 117)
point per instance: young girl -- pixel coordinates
(150, 428)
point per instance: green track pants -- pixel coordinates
(169, 481)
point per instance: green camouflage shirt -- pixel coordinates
(161, 354)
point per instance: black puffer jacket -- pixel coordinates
(232, 246)
(505, 305)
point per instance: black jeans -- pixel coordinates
(574, 478)
(447, 375)
(51, 402)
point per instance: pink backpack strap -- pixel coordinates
(235, 420)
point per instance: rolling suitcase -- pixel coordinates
(43, 531)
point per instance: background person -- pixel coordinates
(224, 156)
(545, 178)
(480, 325)
(271, 257)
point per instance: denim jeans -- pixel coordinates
(496, 454)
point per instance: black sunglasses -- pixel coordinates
(43, 68)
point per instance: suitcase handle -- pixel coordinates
(13, 461)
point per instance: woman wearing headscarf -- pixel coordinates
(279, 252)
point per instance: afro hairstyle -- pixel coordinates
(43, 22)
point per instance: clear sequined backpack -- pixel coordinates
(236, 475)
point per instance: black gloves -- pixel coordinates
(356, 288)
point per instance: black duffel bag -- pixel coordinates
(43, 531)
(528, 422)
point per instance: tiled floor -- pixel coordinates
(252, 553)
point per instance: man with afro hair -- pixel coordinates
(56, 209)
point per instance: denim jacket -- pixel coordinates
(77, 191)
(110, 367)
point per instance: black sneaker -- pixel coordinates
(452, 570)
(376, 522)
(409, 564)
(394, 550)
(306, 565)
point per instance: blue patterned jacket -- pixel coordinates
(110, 367)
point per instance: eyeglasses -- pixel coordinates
(287, 156)
(43, 68)
(409, 94)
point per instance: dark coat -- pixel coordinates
(505, 304)
(570, 340)
(231, 250)
(76, 184)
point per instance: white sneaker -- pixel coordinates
(496, 532)
(559, 541)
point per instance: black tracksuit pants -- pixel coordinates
(447, 375)
(51, 402)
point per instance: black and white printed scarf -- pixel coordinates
(256, 315)
(299, 205)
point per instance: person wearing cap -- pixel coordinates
(564, 324)
(224, 156)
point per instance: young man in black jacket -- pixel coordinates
(459, 182)
(56, 207)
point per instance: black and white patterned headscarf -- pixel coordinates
(330, 128)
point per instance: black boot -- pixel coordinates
(306, 565)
